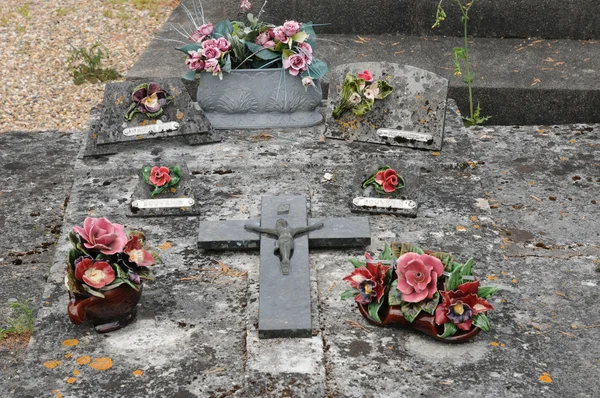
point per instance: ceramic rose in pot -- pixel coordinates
(424, 290)
(105, 273)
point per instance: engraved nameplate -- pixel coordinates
(162, 203)
(399, 204)
(159, 127)
(407, 135)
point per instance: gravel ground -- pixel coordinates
(36, 39)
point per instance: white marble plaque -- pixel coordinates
(159, 127)
(162, 203)
(408, 135)
(383, 203)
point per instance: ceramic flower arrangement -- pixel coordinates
(385, 181)
(148, 99)
(252, 44)
(105, 270)
(424, 290)
(359, 92)
(161, 177)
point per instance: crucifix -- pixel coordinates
(284, 296)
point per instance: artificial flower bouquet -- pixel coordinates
(359, 92)
(424, 290)
(161, 177)
(148, 99)
(384, 180)
(105, 270)
(252, 44)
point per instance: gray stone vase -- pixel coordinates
(259, 98)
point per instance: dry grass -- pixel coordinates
(38, 36)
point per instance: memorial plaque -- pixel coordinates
(182, 118)
(178, 200)
(413, 115)
(402, 202)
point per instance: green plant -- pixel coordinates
(474, 117)
(22, 320)
(24, 10)
(61, 12)
(84, 65)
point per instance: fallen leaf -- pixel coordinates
(52, 364)
(261, 137)
(103, 363)
(400, 52)
(164, 246)
(242, 209)
(561, 294)
(435, 154)
(84, 360)
(568, 334)
(492, 278)
(536, 198)
(214, 371)
(138, 372)
(331, 287)
(190, 278)
(545, 378)
(70, 342)
(71, 380)
(225, 270)
(536, 81)
(356, 325)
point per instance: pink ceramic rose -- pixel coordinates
(159, 176)
(388, 179)
(417, 276)
(366, 76)
(100, 234)
(96, 274)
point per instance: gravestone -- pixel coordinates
(413, 115)
(402, 202)
(179, 200)
(181, 118)
(284, 300)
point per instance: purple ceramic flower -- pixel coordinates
(149, 98)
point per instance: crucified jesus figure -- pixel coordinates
(285, 239)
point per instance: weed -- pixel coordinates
(107, 14)
(4, 21)
(22, 320)
(61, 12)
(84, 65)
(474, 117)
(24, 10)
(20, 28)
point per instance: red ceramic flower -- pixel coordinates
(366, 76)
(96, 274)
(100, 234)
(388, 179)
(370, 280)
(159, 176)
(460, 305)
(137, 254)
(417, 276)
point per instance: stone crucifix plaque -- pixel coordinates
(284, 303)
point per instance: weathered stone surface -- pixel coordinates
(417, 106)
(109, 129)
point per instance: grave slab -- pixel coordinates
(181, 118)
(412, 115)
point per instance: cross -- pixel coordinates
(284, 300)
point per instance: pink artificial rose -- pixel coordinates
(210, 43)
(417, 276)
(245, 5)
(290, 28)
(388, 179)
(193, 61)
(305, 50)
(366, 76)
(307, 81)
(280, 34)
(206, 29)
(294, 64)
(196, 37)
(223, 45)
(100, 234)
(96, 274)
(216, 69)
(211, 52)
(210, 64)
(159, 176)
(262, 38)
(269, 44)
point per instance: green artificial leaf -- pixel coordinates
(116, 283)
(261, 52)
(189, 75)
(410, 248)
(450, 329)
(312, 36)
(430, 305)
(482, 322)
(223, 29)
(92, 291)
(132, 110)
(73, 238)
(401, 182)
(300, 37)
(395, 297)
(287, 53)
(154, 115)
(411, 310)
(446, 259)
(487, 291)
(374, 311)
(131, 284)
(72, 283)
(386, 254)
(357, 263)
(189, 47)
(467, 268)
(454, 279)
(119, 273)
(145, 273)
(238, 49)
(146, 174)
(71, 257)
(362, 108)
(384, 89)
(317, 69)
(349, 293)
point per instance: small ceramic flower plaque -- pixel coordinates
(163, 190)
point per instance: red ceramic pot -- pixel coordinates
(113, 312)
(392, 317)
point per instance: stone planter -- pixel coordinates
(259, 98)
